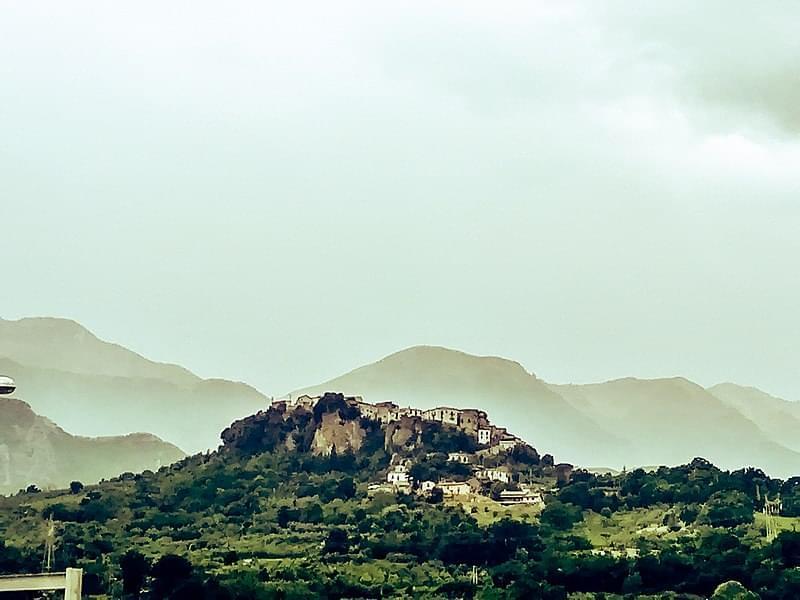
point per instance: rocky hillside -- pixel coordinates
(94, 388)
(335, 426)
(33, 450)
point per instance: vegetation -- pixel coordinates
(258, 520)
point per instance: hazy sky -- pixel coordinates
(278, 192)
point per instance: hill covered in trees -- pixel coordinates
(281, 512)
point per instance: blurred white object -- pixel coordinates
(7, 385)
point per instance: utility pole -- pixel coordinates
(49, 546)
(772, 508)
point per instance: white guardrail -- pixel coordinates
(71, 582)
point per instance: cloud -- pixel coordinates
(468, 173)
(736, 62)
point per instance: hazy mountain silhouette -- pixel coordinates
(428, 376)
(65, 345)
(778, 418)
(33, 450)
(628, 422)
(91, 387)
(668, 421)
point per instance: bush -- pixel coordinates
(561, 515)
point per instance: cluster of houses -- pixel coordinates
(470, 420)
(398, 479)
(489, 438)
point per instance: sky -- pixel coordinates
(279, 192)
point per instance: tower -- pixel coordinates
(49, 546)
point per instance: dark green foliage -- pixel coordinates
(582, 494)
(437, 437)
(337, 541)
(788, 547)
(560, 515)
(790, 497)
(169, 573)
(524, 455)
(135, 569)
(727, 509)
(14, 560)
(436, 467)
(436, 496)
(262, 521)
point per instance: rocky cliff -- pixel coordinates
(335, 426)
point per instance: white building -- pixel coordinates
(460, 457)
(426, 486)
(523, 496)
(507, 443)
(374, 488)
(306, 401)
(454, 488)
(498, 474)
(484, 436)
(443, 415)
(398, 477)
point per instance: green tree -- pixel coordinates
(337, 541)
(169, 573)
(135, 568)
(733, 590)
(727, 508)
(346, 488)
(560, 515)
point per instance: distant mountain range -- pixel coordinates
(627, 422)
(33, 450)
(92, 387)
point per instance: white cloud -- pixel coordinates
(522, 178)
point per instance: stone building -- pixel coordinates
(442, 414)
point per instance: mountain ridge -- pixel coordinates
(52, 342)
(35, 450)
(616, 423)
(91, 387)
(450, 377)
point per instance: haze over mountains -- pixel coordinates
(95, 388)
(619, 423)
(92, 387)
(33, 450)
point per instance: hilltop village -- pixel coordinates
(488, 469)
